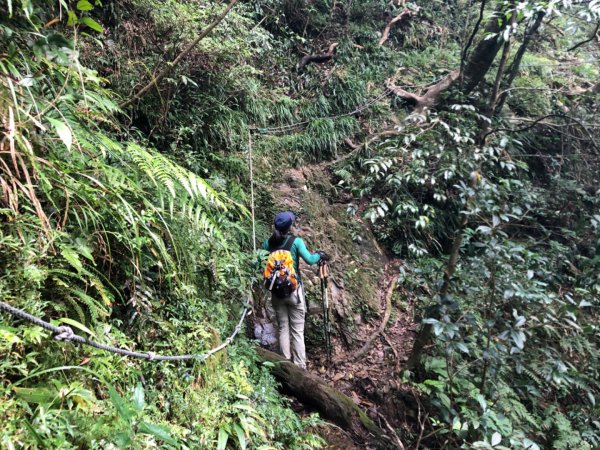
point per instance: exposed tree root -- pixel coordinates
(318, 58)
(388, 311)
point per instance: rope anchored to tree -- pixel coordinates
(65, 333)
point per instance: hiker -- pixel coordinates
(282, 278)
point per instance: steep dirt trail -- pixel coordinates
(361, 276)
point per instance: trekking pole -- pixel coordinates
(324, 275)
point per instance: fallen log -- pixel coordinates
(331, 403)
(318, 58)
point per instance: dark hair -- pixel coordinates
(277, 238)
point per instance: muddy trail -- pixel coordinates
(372, 319)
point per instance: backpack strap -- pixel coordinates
(290, 242)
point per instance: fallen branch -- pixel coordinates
(351, 144)
(331, 403)
(590, 39)
(169, 68)
(318, 58)
(386, 32)
(389, 427)
(388, 311)
(431, 95)
(389, 342)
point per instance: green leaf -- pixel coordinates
(222, 441)
(482, 402)
(462, 347)
(591, 398)
(92, 24)
(156, 431)
(123, 439)
(84, 5)
(119, 404)
(40, 395)
(518, 338)
(530, 445)
(241, 436)
(73, 258)
(138, 398)
(77, 325)
(445, 400)
(9, 335)
(63, 131)
(37, 437)
(72, 18)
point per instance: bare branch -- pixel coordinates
(590, 39)
(318, 58)
(431, 95)
(386, 32)
(169, 68)
(540, 120)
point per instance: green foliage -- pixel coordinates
(132, 226)
(104, 233)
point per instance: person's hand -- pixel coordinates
(324, 256)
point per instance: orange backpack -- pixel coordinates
(279, 274)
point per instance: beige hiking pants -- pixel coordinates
(290, 323)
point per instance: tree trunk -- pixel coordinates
(425, 332)
(482, 57)
(424, 335)
(502, 66)
(473, 71)
(331, 403)
(516, 63)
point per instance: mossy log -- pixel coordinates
(331, 403)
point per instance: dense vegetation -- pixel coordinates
(475, 159)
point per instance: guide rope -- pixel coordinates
(65, 333)
(284, 129)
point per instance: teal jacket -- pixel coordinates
(298, 250)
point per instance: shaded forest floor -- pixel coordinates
(358, 306)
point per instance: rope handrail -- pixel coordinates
(288, 128)
(65, 333)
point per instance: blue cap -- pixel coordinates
(284, 220)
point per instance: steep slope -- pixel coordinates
(363, 291)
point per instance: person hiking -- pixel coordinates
(283, 279)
